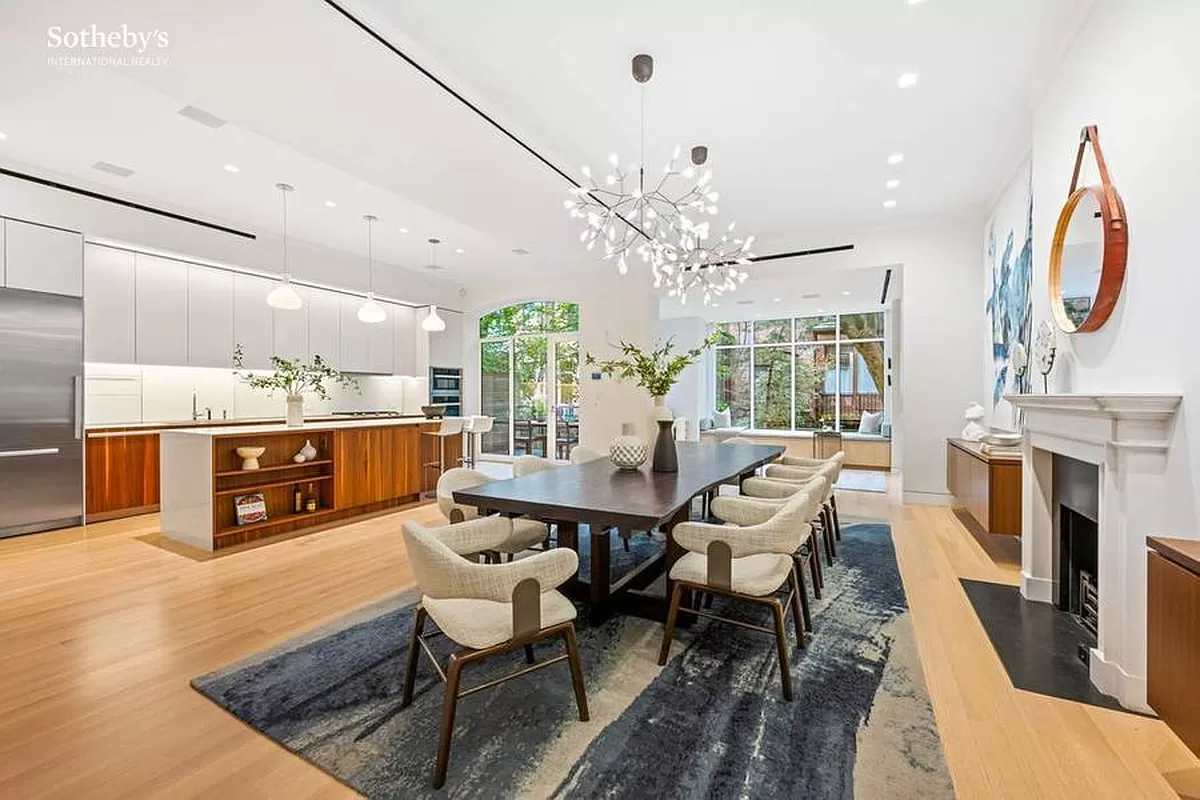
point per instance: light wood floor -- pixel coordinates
(100, 633)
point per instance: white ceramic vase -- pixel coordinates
(308, 451)
(661, 412)
(295, 411)
(628, 451)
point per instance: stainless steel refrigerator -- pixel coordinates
(41, 411)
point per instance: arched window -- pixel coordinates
(529, 378)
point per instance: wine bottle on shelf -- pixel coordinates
(297, 500)
(310, 502)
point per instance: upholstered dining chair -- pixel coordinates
(751, 564)
(777, 487)
(524, 533)
(754, 511)
(527, 465)
(798, 467)
(487, 610)
(582, 455)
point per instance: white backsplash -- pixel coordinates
(119, 394)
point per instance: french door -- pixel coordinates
(530, 385)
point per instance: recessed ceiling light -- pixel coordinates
(893, 183)
(889, 203)
(820, 311)
(915, 2)
(908, 80)
(520, 251)
(896, 158)
(778, 299)
(3, 136)
(404, 230)
(112, 169)
(330, 204)
(459, 250)
(847, 294)
(713, 305)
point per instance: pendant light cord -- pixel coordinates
(642, 160)
(287, 273)
(370, 260)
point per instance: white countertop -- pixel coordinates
(250, 430)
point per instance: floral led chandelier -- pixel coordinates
(626, 216)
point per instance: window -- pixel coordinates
(529, 378)
(801, 374)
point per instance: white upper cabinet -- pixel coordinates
(252, 321)
(161, 287)
(381, 344)
(109, 305)
(404, 348)
(355, 337)
(324, 317)
(445, 347)
(291, 327)
(42, 259)
(210, 317)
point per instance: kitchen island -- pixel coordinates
(360, 467)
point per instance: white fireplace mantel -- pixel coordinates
(1127, 436)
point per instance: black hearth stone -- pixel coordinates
(1037, 643)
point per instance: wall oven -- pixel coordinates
(445, 388)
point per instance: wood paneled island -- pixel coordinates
(360, 467)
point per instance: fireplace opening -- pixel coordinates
(1077, 501)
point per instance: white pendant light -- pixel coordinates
(433, 322)
(371, 312)
(283, 296)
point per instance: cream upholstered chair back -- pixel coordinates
(527, 465)
(582, 455)
(451, 481)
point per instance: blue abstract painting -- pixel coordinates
(1009, 303)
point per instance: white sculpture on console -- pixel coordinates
(974, 430)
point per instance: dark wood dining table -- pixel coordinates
(605, 498)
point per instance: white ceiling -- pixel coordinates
(796, 100)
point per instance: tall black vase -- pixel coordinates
(665, 458)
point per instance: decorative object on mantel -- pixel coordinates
(974, 430)
(250, 456)
(1044, 350)
(1018, 364)
(294, 378)
(1090, 248)
(283, 296)
(655, 371)
(628, 451)
(627, 215)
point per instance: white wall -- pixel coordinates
(611, 308)
(102, 221)
(692, 395)
(1132, 70)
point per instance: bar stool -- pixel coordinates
(451, 426)
(475, 427)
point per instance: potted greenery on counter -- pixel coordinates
(294, 378)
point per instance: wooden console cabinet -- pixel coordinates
(987, 486)
(1173, 635)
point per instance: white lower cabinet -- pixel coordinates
(210, 317)
(161, 317)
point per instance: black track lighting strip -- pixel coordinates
(818, 251)
(64, 187)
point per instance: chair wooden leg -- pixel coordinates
(414, 656)
(797, 614)
(837, 519)
(576, 672)
(529, 654)
(449, 706)
(814, 564)
(805, 610)
(669, 631)
(785, 668)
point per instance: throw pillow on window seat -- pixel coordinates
(870, 422)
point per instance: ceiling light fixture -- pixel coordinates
(778, 299)
(893, 183)
(915, 2)
(908, 80)
(889, 203)
(283, 296)
(629, 215)
(896, 158)
(330, 204)
(371, 312)
(845, 294)
(459, 250)
(3, 136)
(433, 322)
(232, 168)
(404, 230)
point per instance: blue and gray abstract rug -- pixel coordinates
(710, 724)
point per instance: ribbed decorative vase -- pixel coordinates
(665, 457)
(628, 451)
(295, 411)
